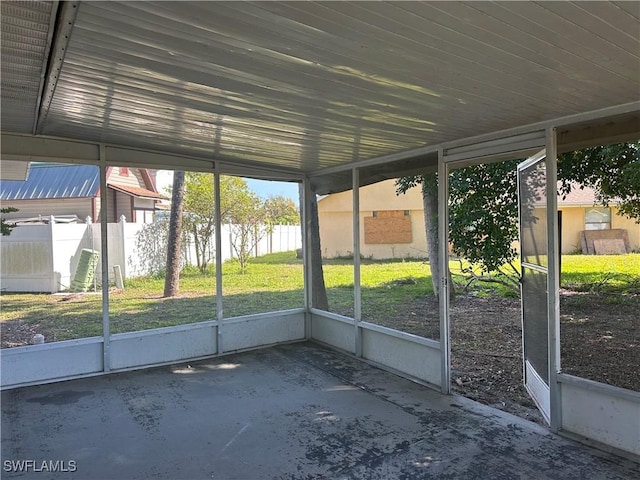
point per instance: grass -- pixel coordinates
(275, 282)
(602, 273)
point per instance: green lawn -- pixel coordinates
(273, 282)
(602, 273)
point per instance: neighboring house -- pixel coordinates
(580, 212)
(392, 226)
(69, 191)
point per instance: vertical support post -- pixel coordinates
(52, 264)
(104, 206)
(306, 254)
(553, 280)
(218, 235)
(357, 291)
(443, 252)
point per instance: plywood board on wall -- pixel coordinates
(609, 247)
(587, 238)
(388, 227)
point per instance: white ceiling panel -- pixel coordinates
(307, 86)
(26, 34)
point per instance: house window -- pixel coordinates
(407, 213)
(374, 214)
(597, 218)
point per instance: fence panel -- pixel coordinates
(44, 258)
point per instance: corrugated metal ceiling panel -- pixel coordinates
(312, 85)
(25, 36)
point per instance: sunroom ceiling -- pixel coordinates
(301, 87)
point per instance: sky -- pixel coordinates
(266, 188)
(262, 188)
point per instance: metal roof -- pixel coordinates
(304, 87)
(49, 181)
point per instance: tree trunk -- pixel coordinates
(430, 203)
(172, 275)
(319, 298)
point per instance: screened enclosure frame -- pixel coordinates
(575, 402)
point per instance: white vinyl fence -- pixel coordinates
(44, 258)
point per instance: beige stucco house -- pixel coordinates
(392, 226)
(579, 212)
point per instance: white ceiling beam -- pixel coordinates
(59, 36)
(585, 118)
(32, 148)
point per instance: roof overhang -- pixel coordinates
(284, 90)
(13, 170)
(137, 192)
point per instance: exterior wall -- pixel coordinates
(633, 228)
(336, 230)
(110, 207)
(336, 233)
(63, 206)
(123, 206)
(573, 219)
(572, 225)
(336, 224)
(132, 179)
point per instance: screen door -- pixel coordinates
(532, 202)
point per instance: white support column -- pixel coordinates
(104, 207)
(357, 297)
(306, 254)
(218, 234)
(443, 252)
(553, 280)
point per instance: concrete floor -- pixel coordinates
(292, 412)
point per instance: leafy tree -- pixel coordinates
(483, 201)
(5, 228)
(613, 171)
(199, 215)
(281, 210)
(247, 218)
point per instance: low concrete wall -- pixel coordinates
(333, 330)
(163, 345)
(264, 329)
(55, 361)
(595, 411)
(50, 361)
(403, 353)
(417, 357)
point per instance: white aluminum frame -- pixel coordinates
(357, 289)
(587, 422)
(104, 207)
(443, 252)
(553, 279)
(218, 238)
